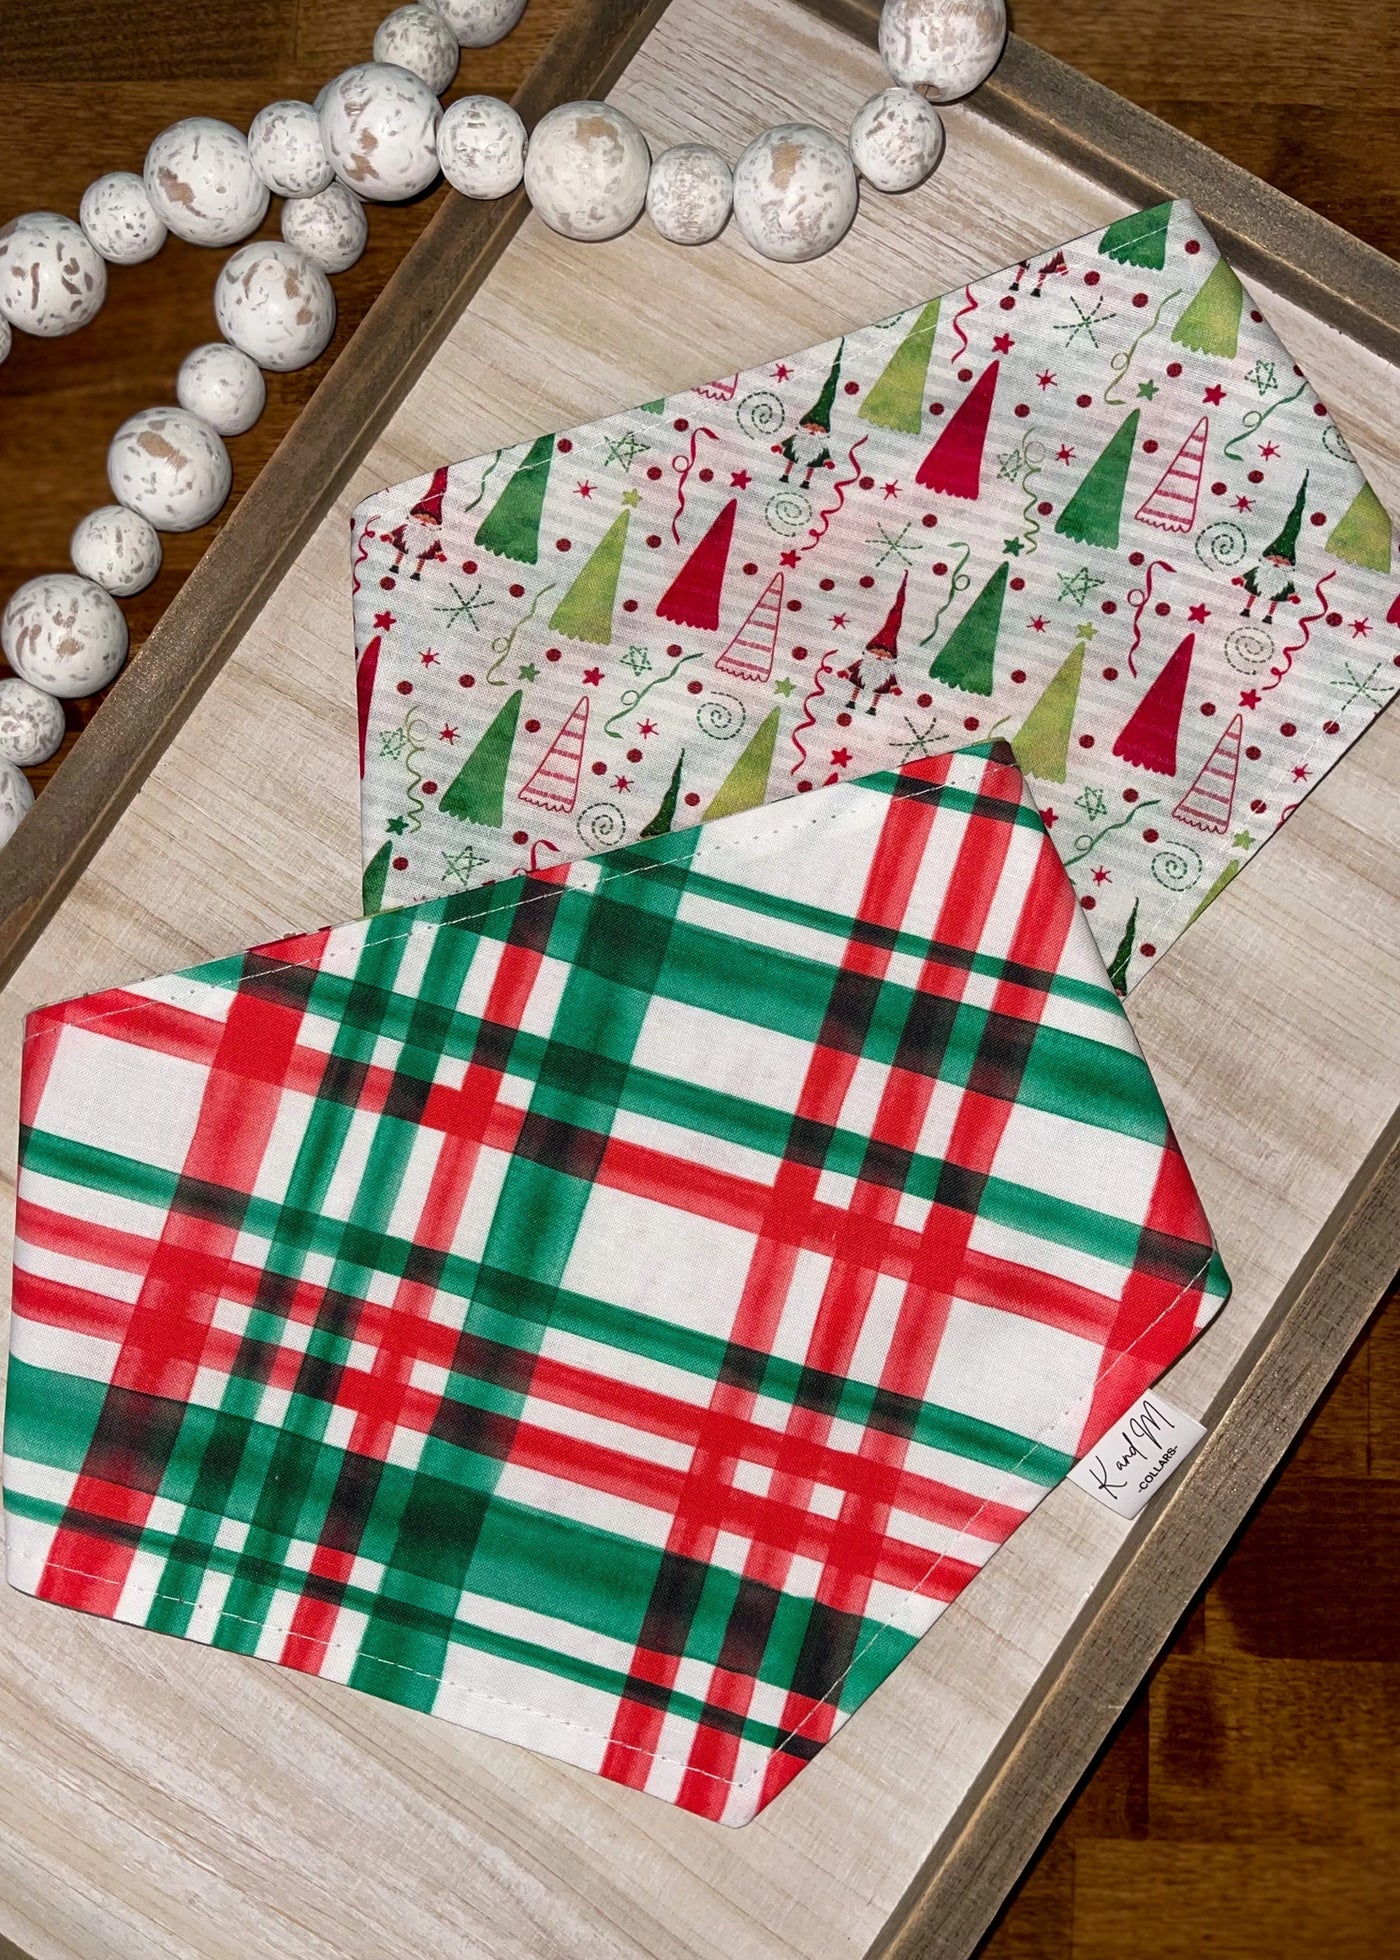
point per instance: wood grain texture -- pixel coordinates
(161, 1800)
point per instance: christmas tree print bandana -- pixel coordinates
(1088, 504)
(616, 1309)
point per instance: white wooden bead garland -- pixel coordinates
(169, 466)
(378, 132)
(223, 386)
(32, 723)
(64, 634)
(16, 800)
(285, 148)
(331, 228)
(52, 281)
(116, 548)
(379, 126)
(274, 305)
(419, 39)
(200, 178)
(120, 220)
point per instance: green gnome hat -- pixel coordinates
(818, 416)
(1284, 549)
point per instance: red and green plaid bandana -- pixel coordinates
(616, 1309)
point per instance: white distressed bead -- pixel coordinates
(946, 47)
(120, 220)
(169, 466)
(285, 147)
(331, 228)
(689, 194)
(117, 549)
(222, 386)
(5, 337)
(896, 139)
(201, 180)
(586, 170)
(481, 147)
(479, 23)
(64, 634)
(52, 281)
(16, 801)
(275, 305)
(795, 192)
(420, 40)
(379, 126)
(32, 723)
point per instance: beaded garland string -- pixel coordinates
(378, 133)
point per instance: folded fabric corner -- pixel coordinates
(1088, 502)
(615, 1309)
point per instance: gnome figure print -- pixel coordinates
(807, 447)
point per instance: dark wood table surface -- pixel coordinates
(1247, 1803)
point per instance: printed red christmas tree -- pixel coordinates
(1149, 739)
(1210, 801)
(954, 464)
(693, 596)
(365, 672)
(749, 655)
(554, 782)
(1172, 505)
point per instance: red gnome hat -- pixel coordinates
(885, 644)
(428, 510)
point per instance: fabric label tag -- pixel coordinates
(1138, 1454)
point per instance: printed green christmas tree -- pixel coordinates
(1211, 323)
(666, 815)
(1140, 239)
(375, 878)
(1094, 513)
(476, 793)
(967, 658)
(586, 610)
(746, 784)
(511, 528)
(896, 399)
(1042, 746)
(1362, 534)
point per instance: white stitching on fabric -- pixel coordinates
(562, 1721)
(912, 1593)
(439, 925)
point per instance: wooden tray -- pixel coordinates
(160, 1799)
